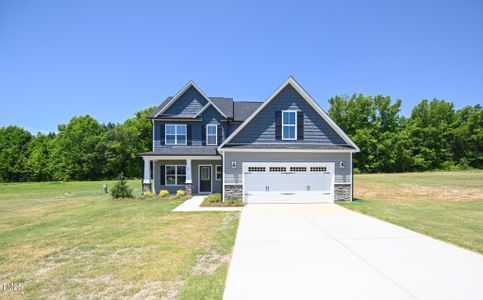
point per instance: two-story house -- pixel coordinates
(283, 150)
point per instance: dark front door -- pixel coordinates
(205, 179)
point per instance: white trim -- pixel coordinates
(182, 91)
(352, 181)
(286, 150)
(309, 99)
(216, 172)
(290, 125)
(176, 134)
(202, 110)
(232, 184)
(175, 175)
(181, 157)
(216, 134)
(199, 179)
(153, 123)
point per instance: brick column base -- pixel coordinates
(146, 187)
(189, 189)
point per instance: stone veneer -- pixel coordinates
(342, 192)
(234, 192)
(189, 188)
(146, 187)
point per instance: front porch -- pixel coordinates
(193, 174)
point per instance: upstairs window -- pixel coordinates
(211, 134)
(289, 125)
(175, 134)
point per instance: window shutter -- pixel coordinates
(188, 134)
(218, 134)
(161, 133)
(278, 125)
(300, 125)
(203, 135)
(163, 175)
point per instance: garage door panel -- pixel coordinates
(288, 182)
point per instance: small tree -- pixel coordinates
(121, 189)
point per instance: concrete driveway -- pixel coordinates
(324, 251)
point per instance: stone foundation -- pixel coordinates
(146, 187)
(234, 192)
(189, 189)
(342, 192)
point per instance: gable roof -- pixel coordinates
(307, 98)
(168, 102)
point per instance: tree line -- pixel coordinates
(434, 137)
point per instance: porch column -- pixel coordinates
(147, 175)
(189, 181)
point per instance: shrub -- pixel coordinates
(180, 193)
(148, 194)
(121, 189)
(164, 193)
(215, 200)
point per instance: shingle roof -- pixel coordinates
(292, 146)
(160, 107)
(224, 104)
(182, 150)
(236, 110)
(243, 109)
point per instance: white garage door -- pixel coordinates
(288, 182)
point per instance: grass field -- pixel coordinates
(70, 240)
(444, 205)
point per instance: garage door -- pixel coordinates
(288, 182)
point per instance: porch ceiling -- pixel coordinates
(183, 151)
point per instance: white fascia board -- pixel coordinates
(287, 150)
(182, 91)
(180, 157)
(203, 109)
(309, 99)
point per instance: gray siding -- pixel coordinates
(261, 129)
(194, 170)
(190, 102)
(234, 176)
(209, 116)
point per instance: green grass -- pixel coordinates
(70, 240)
(444, 205)
(214, 200)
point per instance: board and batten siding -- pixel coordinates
(261, 129)
(190, 103)
(234, 176)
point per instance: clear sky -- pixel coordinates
(110, 59)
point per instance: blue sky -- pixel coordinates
(110, 59)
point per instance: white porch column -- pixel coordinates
(188, 171)
(147, 170)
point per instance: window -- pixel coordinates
(211, 134)
(298, 169)
(289, 125)
(218, 172)
(175, 134)
(278, 169)
(318, 169)
(175, 175)
(256, 169)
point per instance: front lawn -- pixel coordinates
(444, 205)
(70, 240)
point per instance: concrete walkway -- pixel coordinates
(193, 204)
(317, 251)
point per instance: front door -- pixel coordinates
(205, 179)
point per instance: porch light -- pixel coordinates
(233, 164)
(342, 165)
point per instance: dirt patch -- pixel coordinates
(208, 264)
(415, 192)
(228, 219)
